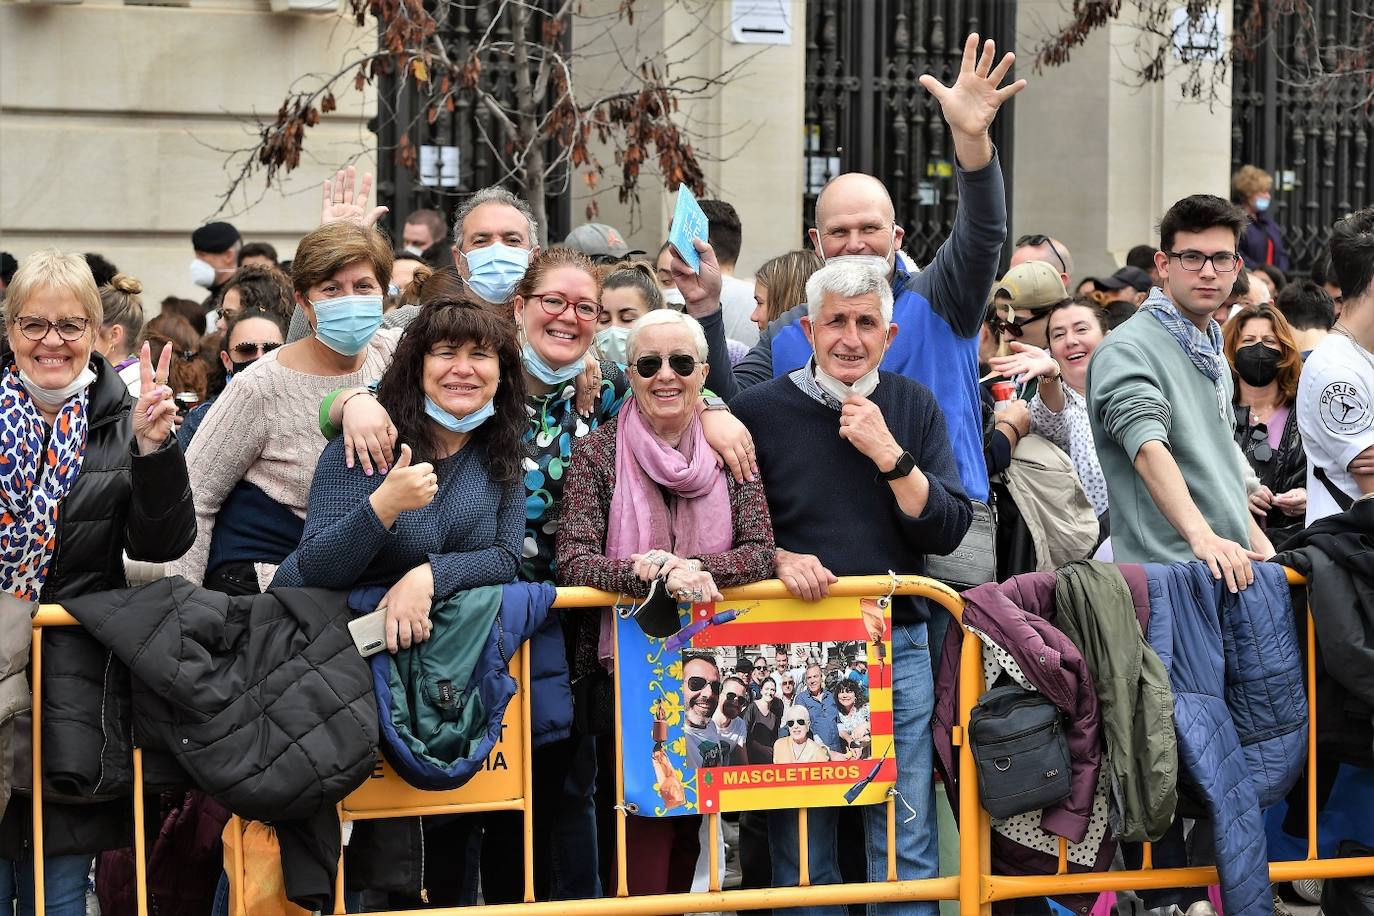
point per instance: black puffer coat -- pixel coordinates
(119, 502)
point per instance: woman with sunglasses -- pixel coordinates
(252, 334)
(646, 499)
(1059, 410)
(1265, 365)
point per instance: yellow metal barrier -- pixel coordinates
(973, 887)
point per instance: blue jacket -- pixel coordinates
(438, 735)
(1239, 709)
(939, 312)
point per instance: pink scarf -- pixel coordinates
(700, 520)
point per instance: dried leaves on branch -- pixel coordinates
(1334, 42)
(513, 60)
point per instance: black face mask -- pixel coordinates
(1257, 364)
(240, 366)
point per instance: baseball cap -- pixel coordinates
(597, 239)
(1032, 285)
(1133, 277)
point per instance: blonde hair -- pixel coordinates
(120, 302)
(62, 270)
(1248, 182)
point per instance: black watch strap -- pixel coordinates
(905, 465)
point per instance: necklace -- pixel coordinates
(1345, 332)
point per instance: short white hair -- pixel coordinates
(847, 278)
(666, 316)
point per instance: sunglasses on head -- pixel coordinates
(791, 722)
(681, 363)
(1038, 240)
(701, 683)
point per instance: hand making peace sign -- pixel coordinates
(155, 412)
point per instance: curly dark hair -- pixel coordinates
(457, 321)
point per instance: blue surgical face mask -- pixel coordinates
(346, 324)
(494, 271)
(547, 374)
(1261, 204)
(611, 343)
(459, 424)
(393, 290)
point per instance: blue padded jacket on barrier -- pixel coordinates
(441, 714)
(1239, 709)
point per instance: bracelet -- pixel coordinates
(1009, 425)
(353, 394)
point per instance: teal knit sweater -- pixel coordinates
(1142, 387)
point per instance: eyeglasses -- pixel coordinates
(701, 683)
(760, 667)
(1259, 443)
(555, 305)
(69, 329)
(1223, 262)
(732, 697)
(791, 722)
(1037, 241)
(681, 363)
(249, 349)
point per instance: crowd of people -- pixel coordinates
(471, 410)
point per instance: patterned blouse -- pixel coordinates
(1070, 430)
(555, 426)
(582, 556)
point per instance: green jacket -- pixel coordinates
(1094, 610)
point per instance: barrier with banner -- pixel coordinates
(693, 740)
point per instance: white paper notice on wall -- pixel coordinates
(761, 22)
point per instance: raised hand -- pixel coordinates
(155, 413)
(342, 205)
(970, 105)
(1024, 363)
(700, 291)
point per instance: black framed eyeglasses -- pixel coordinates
(1038, 240)
(1223, 262)
(681, 363)
(555, 305)
(69, 329)
(701, 683)
(247, 349)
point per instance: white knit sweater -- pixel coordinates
(265, 429)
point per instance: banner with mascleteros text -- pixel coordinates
(757, 704)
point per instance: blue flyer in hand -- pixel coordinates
(689, 222)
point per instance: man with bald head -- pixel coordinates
(1043, 248)
(939, 309)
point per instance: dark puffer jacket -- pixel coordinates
(119, 502)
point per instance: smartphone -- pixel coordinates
(369, 632)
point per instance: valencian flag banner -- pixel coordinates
(751, 705)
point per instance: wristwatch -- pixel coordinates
(905, 465)
(711, 402)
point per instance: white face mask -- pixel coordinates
(881, 263)
(863, 386)
(202, 273)
(415, 250)
(673, 297)
(54, 398)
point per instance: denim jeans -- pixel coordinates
(64, 885)
(917, 850)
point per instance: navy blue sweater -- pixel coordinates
(826, 498)
(470, 532)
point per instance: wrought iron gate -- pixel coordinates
(1315, 144)
(866, 112)
(452, 159)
